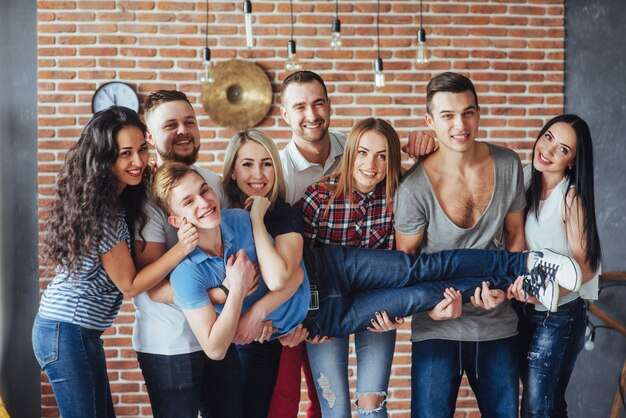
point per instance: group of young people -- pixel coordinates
(241, 281)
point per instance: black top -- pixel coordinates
(283, 219)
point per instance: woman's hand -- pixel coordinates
(382, 323)
(449, 308)
(249, 328)
(187, 236)
(295, 337)
(258, 206)
(516, 291)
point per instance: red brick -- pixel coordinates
(97, 28)
(98, 51)
(96, 5)
(55, 5)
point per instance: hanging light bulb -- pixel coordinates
(423, 54)
(206, 76)
(379, 76)
(292, 63)
(247, 15)
(335, 42)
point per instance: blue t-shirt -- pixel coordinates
(200, 271)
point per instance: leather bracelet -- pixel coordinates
(224, 289)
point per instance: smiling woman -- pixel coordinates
(99, 207)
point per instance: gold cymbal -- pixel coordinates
(240, 97)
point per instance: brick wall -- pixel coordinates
(513, 51)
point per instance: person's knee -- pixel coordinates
(368, 403)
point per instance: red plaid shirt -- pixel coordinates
(364, 222)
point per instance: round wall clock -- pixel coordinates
(115, 93)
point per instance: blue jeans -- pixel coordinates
(329, 364)
(553, 344)
(259, 369)
(354, 283)
(181, 385)
(73, 359)
(491, 368)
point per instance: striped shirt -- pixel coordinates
(363, 222)
(88, 298)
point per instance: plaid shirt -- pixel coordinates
(364, 222)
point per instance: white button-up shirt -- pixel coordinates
(300, 173)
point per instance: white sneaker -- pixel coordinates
(537, 284)
(564, 270)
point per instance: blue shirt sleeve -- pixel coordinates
(190, 286)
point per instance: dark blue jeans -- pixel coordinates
(354, 283)
(491, 368)
(73, 359)
(181, 385)
(551, 345)
(259, 369)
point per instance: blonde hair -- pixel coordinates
(165, 179)
(252, 135)
(346, 183)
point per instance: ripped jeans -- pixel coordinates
(329, 363)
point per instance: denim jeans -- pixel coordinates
(73, 359)
(181, 385)
(259, 369)
(329, 363)
(354, 283)
(491, 368)
(553, 344)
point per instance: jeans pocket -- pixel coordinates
(46, 341)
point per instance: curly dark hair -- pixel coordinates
(87, 194)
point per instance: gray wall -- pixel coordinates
(595, 89)
(19, 372)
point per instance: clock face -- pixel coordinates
(115, 93)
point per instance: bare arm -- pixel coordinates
(409, 243)
(120, 267)
(251, 321)
(514, 238)
(277, 261)
(152, 251)
(576, 238)
(215, 333)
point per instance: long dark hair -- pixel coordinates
(579, 176)
(87, 192)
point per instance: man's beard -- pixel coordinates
(173, 157)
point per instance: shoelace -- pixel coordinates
(549, 269)
(535, 281)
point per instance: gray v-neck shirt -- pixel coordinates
(417, 209)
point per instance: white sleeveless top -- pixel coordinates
(548, 231)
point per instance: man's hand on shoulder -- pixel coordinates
(420, 144)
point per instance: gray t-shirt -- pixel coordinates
(417, 208)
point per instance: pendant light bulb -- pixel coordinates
(292, 63)
(247, 16)
(206, 76)
(335, 42)
(423, 54)
(379, 76)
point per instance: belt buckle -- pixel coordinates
(314, 300)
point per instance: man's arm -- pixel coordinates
(514, 238)
(251, 321)
(215, 333)
(409, 243)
